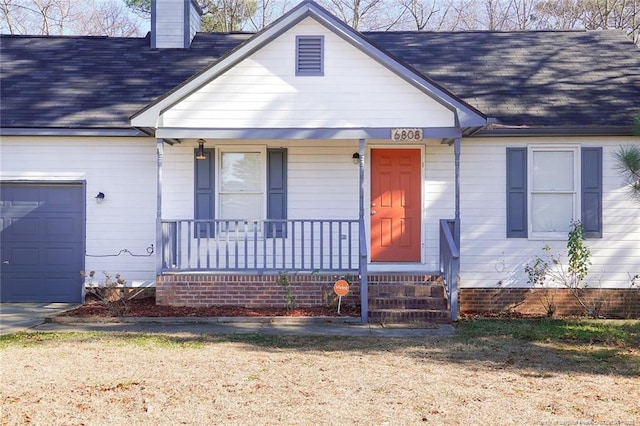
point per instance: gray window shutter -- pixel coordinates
(276, 191)
(309, 55)
(591, 191)
(204, 193)
(517, 225)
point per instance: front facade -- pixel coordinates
(312, 151)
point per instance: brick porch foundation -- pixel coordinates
(607, 303)
(265, 290)
(251, 290)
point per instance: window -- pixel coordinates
(241, 193)
(548, 187)
(553, 174)
(234, 184)
(309, 55)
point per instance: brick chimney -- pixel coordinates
(174, 23)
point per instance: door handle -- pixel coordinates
(5, 262)
(373, 212)
(373, 204)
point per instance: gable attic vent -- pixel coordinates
(309, 55)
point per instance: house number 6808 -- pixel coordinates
(406, 135)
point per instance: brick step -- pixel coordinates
(406, 302)
(408, 316)
(406, 290)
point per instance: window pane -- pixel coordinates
(551, 212)
(241, 206)
(241, 172)
(553, 171)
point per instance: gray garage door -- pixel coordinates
(42, 241)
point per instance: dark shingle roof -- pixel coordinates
(93, 82)
(535, 79)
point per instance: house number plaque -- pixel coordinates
(406, 135)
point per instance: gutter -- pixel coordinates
(59, 131)
(494, 130)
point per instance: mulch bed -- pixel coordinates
(146, 307)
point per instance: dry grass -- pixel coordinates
(128, 379)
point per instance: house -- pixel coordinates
(219, 166)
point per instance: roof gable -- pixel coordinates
(150, 115)
(264, 91)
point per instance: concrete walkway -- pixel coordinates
(273, 326)
(44, 318)
(15, 317)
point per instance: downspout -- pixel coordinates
(453, 301)
(364, 278)
(456, 154)
(159, 242)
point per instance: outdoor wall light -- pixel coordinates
(200, 154)
(100, 197)
(355, 158)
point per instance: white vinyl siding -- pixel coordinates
(322, 179)
(263, 91)
(489, 259)
(124, 169)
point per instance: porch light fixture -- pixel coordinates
(200, 154)
(355, 158)
(100, 197)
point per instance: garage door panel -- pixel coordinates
(58, 289)
(56, 259)
(42, 242)
(21, 229)
(61, 199)
(21, 258)
(60, 229)
(23, 288)
(51, 288)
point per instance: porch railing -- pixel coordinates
(260, 245)
(450, 262)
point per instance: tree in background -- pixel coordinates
(58, 17)
(219, 15)
(46, 17)
(106, 17)
(227, 15)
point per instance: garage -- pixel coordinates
(41, 242)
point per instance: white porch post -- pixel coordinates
(159, 242)
(364, 280)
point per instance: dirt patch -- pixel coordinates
(146, 307)
(97, 379)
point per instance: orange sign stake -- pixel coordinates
(341, 288)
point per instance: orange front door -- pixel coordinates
(395, 205)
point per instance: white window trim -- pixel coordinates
(262, 150)
(576, 189)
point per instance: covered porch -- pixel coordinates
(275, 127)
(215, 261)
